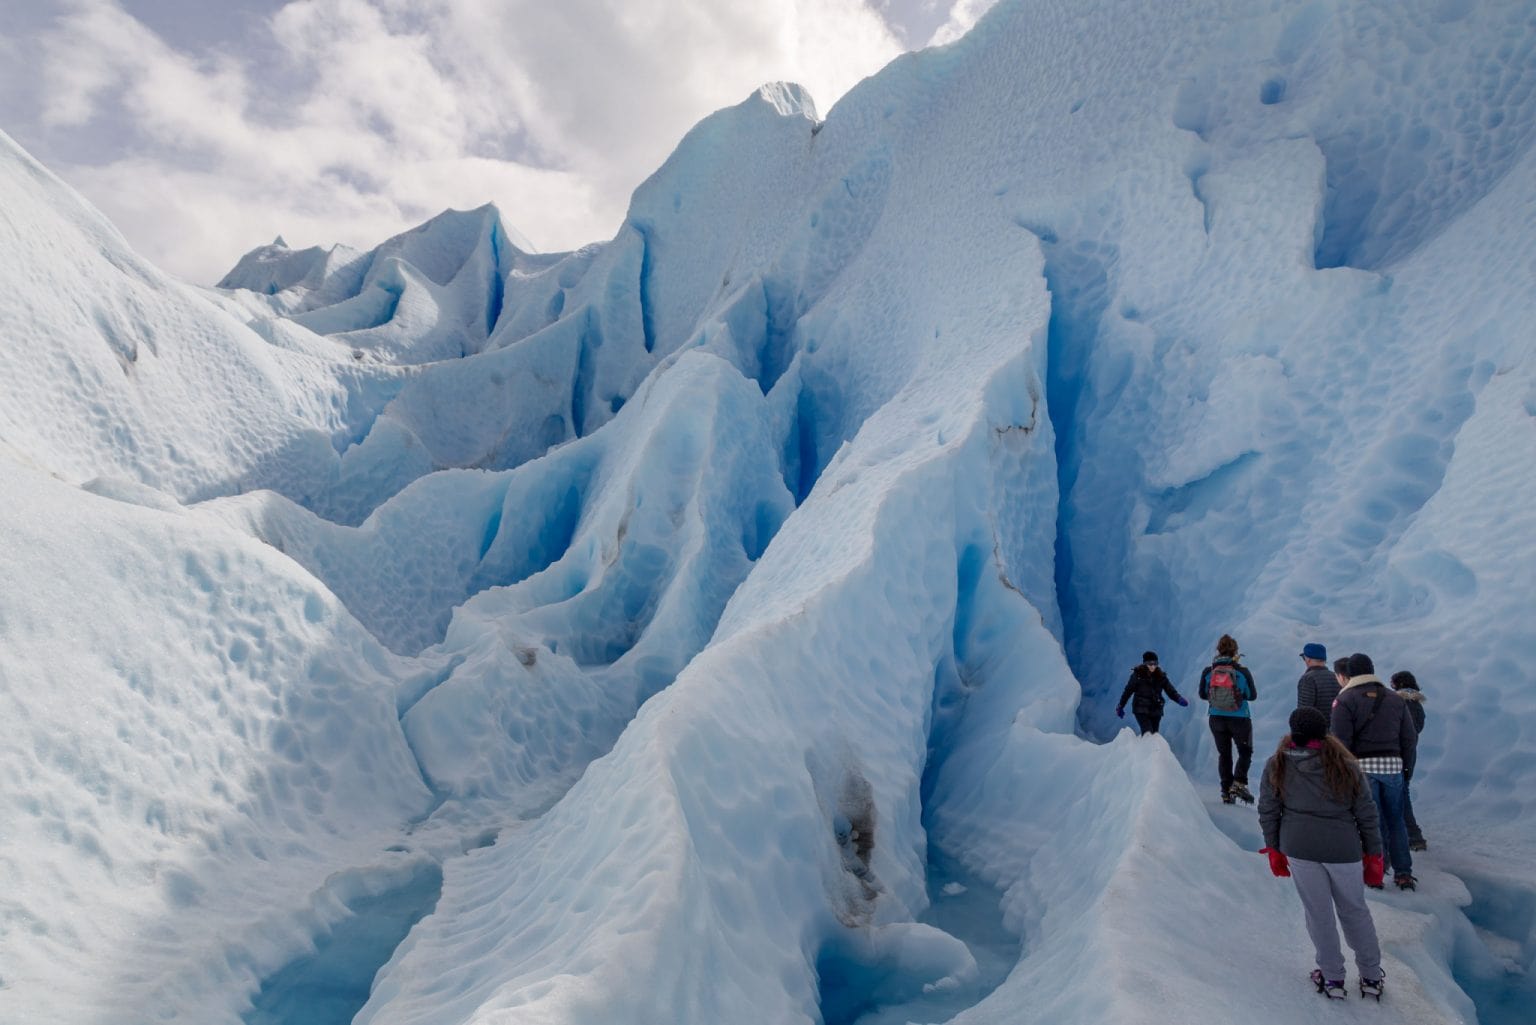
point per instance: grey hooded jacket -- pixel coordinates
(1309, 823)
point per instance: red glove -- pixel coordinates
(1375, 869)
(1279, 864)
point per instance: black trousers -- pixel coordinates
(1415, 834)
(1229, 730)
(1148, 721)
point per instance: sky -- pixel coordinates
(204, 130)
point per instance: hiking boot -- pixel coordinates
(1240, 791)
(1371, 988)
(1226, 796)
(1418, 845)
(1406, 881)
(1333, 989)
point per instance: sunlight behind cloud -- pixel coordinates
(349, 120)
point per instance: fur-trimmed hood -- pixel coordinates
(1411, 694)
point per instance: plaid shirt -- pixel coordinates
(1381, 765)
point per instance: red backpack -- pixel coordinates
(1223, 690)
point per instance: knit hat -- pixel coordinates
(1308, 724)
(1403, 678)
(1360, 665)
(1149, 657)
(1315, 650)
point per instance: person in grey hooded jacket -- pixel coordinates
(1320, 826)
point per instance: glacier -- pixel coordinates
(723, 622)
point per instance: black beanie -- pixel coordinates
(1149, 656)
(1360, 665)
(1308, 724)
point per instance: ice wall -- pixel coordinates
(1285, 307)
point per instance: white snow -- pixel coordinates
(722, 623)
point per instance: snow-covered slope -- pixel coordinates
(205, 755)
(675, 630)
(114, 370)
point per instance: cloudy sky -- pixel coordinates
(204, 129)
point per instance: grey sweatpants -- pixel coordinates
(1325, 888)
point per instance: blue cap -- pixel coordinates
(1315, 650)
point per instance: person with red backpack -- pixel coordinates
(1227, 686)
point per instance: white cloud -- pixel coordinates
(962, 18)
(353, 119)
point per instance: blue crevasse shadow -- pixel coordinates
(961, 905)
(329, 986)
(1495, 962)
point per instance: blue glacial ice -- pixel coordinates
(694, 606)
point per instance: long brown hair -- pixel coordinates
(1339, 769)
(1226, 646)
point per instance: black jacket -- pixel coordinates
(1389, 732)
(1316, 689)
(1148, 686)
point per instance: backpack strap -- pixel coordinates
(1381, 695)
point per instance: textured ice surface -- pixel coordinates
(699, 603)
(113, 369)
(200, 727)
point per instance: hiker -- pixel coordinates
(1407, 687)
(1373, 722)
(1322, 829)
(1228, 686)
(1148, 684)
(1318, 685)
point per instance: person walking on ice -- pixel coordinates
(1407, 687)
(1227, 686)
(1374, 723)
(1318, 685)
(1145, 690)
(1322, 829)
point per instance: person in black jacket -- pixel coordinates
(1320, 826)
(1318, 685)
(1377, 728)
(1407, 687)
(1145, 690)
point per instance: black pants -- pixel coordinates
(1415, 834)
(1148, 721)
(1229, 730)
